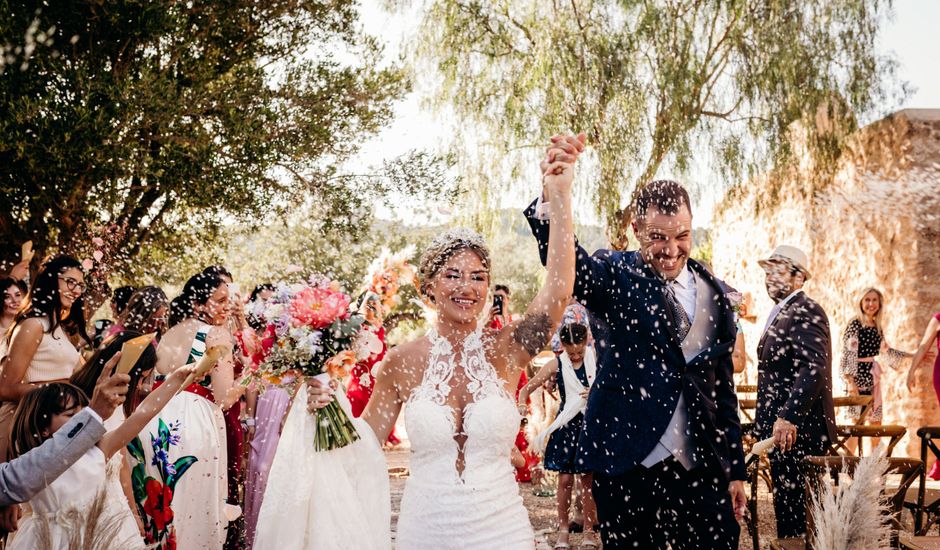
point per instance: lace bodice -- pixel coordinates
(462, 423)
(461, 493)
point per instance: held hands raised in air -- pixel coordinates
(558, 165)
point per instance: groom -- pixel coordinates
(661, 430)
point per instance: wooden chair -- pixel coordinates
(862, 401)
(908, 541)
(927, 501)
(844, 434)
(909, 469)
(747, 404)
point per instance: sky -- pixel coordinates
(911, 35)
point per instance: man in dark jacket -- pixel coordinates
(661, 430)
(794, 384)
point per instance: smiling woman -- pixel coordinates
(39, 350)
(452, 387)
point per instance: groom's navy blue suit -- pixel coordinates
(642, 373)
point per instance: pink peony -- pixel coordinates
(318, 307)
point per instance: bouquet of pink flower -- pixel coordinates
(311, 332)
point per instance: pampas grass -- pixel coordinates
(94, 529)
(854, 515)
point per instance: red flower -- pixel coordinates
(158, 502)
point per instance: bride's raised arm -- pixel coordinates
(526, 338)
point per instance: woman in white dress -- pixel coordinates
(179, 459)
(63, 511)
(459, 416)
(38, 349)
(120, 496)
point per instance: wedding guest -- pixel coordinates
(661, 425)
(574, 371)
(38, 347)
(258, 295)
(862, 342)
(101, 329)
(234, 429)
(191, 429)
(66, 505)
(574, 313)
(120, 503)
(926, 347)
(25, 476)
(20, 270)
(13, 292)
(501, 312)
(794, 384)
(270, 410)
(500, 315)
(361, 381)
(119, 299)
(738, 353)
(146, 311)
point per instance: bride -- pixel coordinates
(461, 420)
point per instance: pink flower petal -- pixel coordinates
(98, 255)
(88, 264)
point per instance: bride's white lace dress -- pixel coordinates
(461, 493)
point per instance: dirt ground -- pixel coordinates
(542, 509)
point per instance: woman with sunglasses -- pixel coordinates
(38, 347)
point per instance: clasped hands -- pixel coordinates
(784, 434)
(558, 165)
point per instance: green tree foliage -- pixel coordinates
(656, 83)
(172, 119)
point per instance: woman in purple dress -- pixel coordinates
(269, 411)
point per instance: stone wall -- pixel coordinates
(877, 224)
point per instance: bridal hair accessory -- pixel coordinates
(444, 247)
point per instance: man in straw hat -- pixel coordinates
(794, 383)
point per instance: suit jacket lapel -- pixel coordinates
(780, 315)
(658, 295)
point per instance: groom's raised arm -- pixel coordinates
(593, 274)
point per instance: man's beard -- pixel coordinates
(778, 292)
